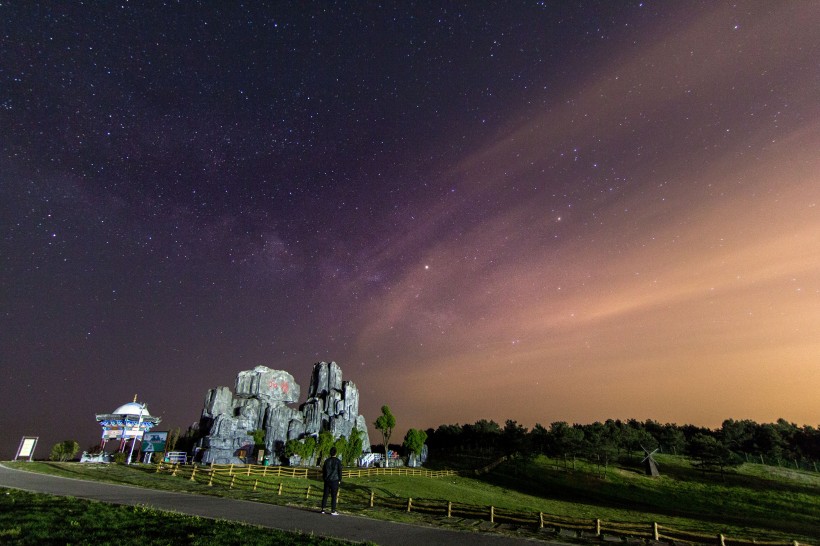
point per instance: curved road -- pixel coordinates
(348, 527)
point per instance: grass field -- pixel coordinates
(28, 518)
(751, 502)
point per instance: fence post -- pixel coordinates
(280, 490)
(372, 498)
(492, 514)
(249, 470)
(721, 539)
(230, 472)
(597, 527)
(255, 483)
(233, 479)
(540, 520)
(449, 509)
(211, 481)
(307, 495)
(655, 534)
(409, 503)
(193, 474)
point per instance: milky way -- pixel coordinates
(508, 211)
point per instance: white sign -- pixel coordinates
(26, 449)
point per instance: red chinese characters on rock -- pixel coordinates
(284, 386)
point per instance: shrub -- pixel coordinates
(64, 450)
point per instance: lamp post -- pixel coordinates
(134, 441)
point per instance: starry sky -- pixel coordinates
(537, 211)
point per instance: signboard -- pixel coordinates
(116, 434)
(154, 441)
(26, 449)
(111, 434)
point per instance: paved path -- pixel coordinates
(349, 527)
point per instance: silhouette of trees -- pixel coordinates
(611, 440)
(711, 454)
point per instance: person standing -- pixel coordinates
(332, 475)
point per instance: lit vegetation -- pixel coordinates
(751, 501)
(28, 518)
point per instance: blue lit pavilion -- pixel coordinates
(128, 422)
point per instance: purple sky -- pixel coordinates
(479, 210)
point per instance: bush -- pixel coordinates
(64, 451)
(119, 457)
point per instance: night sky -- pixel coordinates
(537, 211)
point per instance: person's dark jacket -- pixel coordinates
(332, 470)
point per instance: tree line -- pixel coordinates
(604, 442)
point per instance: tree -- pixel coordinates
(446, 438)
(566, 440)
(173, 438)
(414, 440)
(188, 440)
(539, 439)
(323, 444)
(483, 435)
(514, 438)
(711, 453)
(303, 448)
(807, 442)
(769, 442)
(672, 439)
(64, 451)
(258, 436)
(385, 424)
(738, 435)
(353, 447)
(341, 447)
(601, 443)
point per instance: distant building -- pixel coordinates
(128, 422)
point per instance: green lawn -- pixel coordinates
(28, 518)
(750, 502)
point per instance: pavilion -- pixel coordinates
(128, 422)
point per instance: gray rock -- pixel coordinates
(260, 402)
(218, 401)
(312, 412)
(325, 378)
(351, 398)
(361, 424)
(267, 384)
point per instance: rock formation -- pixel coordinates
(259, 401)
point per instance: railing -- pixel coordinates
(260, 479)
(367, 472)
(310, 472)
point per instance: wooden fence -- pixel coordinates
(261, 479)
(305, 472)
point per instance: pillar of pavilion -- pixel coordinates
(126, 423)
